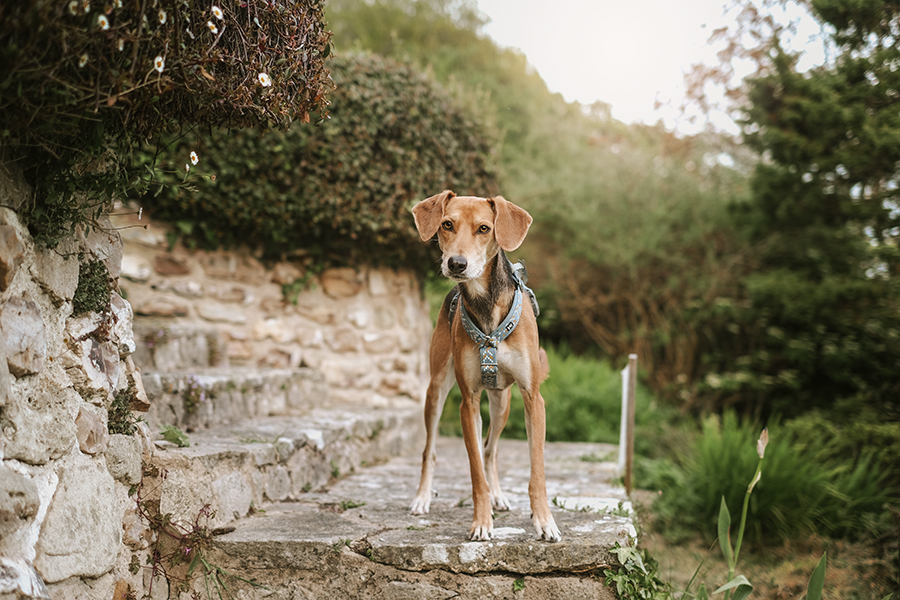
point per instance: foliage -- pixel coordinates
(637, 578)
(82, 83)
(120, 419)
(170, 433)
(797, 493)
(93, 291)
(342, 190)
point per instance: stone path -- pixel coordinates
(357, 540)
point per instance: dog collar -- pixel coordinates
(488, 344)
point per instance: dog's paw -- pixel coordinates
(547, 530)
(420, 504)
(499, 502)
(480, 533)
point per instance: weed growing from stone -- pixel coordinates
(519, 584)
(170, 433)
(195, 394)
(92, 292)
(120, 418)
(348, 504)
(179, 552)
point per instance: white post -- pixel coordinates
(626, 425)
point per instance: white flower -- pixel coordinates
(162, 17)
(117, 4)
(190, 33)
(73, 7)
(121, 44)
(194, 158)
(83, 60)
(85, 6)
(103, 22)
(264, 80)
(762, 442)
(212, 27)
(159, 64)
(217, 12)
(187, 167)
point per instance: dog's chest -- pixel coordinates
(513, 367)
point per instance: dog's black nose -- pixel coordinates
(457, 264)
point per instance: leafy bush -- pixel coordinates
(83, 83)
(797, 493)
(341, 190)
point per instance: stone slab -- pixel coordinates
(360, 530)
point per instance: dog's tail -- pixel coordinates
(545, 364)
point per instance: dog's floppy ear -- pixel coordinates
(511, 223)
(428, 214)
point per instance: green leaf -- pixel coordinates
(170, 433)
(702, 593)
(817, 580)
(743, 586)
(519, 584)
(724, 535)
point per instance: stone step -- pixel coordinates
(208, 397)
(234, 469)
(161, 345)
(356, 539)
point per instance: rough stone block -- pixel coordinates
(23, 335)
(169, 264)
(82, 531)
(36, 436)
(123, 458)
(19, 579)
(342, 282)
(56, 270)
(12, 254)
(91, 431)
(104, 242)
(19, 502)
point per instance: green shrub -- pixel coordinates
(80, 88)
(799, 491)
(341, 190)
(93, 290)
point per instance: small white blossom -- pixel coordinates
(762, 443)
(85, 6)
(159, 64)
(217, 12)
(103, 22)
(187, 167)
(194, 158)
(117, 3)
(212, 27)
(162, 17)
(73, 7)
(83, 60)
(264, 80)
(121, 44)
(190, 33)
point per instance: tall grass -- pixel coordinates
(798, 494)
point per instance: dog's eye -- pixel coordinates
(484, 229)
(447, 225)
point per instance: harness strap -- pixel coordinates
(488, 344)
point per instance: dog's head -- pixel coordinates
(471, 230)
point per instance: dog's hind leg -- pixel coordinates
(499, 401)
(442, 378)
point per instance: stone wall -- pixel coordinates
(68, 528)
(366, 330)
(64, 479)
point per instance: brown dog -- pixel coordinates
(473, 234)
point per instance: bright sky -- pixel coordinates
(628, 54)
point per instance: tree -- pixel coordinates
(823, 324)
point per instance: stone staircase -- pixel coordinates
(310, 497)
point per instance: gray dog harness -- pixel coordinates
(488, 344)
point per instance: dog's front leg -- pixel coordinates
(470, 417)
(499, 406)
(535, 425)
(441, 382)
